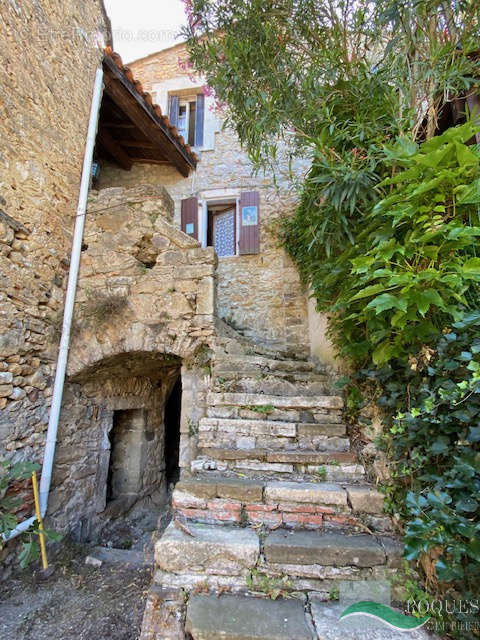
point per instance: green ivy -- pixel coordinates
(435, 445)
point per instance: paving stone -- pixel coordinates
(328, 627)
(123, 556)
(211, 549)
(330, 549)
(305, 492)
(241, 618)
(365, 499)
(163, 614)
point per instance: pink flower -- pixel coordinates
(193, 20)
(207, 91)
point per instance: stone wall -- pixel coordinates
(260, 295)
(144, 315)
(50, 51)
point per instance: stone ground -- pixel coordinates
(77, 602)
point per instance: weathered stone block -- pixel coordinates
(305, 492)
(243, 490)
(334, 549)
(244, 618)
(212, 550)
(206, 488)
(365, 499)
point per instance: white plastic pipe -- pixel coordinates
(69, 304)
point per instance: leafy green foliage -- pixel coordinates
(385, 232)
(8, 504)
(279, 66)
(414, 265)
(435, 444)
(11, 472)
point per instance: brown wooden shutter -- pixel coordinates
(173, 110)
(190, 217)
(199, 120)
(249, 223)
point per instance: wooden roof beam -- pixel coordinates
(114, 149)
(116, 87)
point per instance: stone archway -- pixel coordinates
(129, 392)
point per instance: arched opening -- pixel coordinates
(137, 398)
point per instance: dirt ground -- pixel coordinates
(76, 601)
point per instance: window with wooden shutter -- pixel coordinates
(188, 115)
(249, 223)
(189, 217)
(173, 105)
(199, 119)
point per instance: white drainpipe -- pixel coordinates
(69, 304)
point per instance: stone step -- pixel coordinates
(265, 401)
(250, 434)
(214, 558)
(256, 618)
(227, 374)
(325, 548)
(273, 384)
(269, 412)
(262, 364)
(241, 465)
(245, 618)
(250, 502)
(206, 551)
(304, 458)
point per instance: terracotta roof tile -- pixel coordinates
(148, 99)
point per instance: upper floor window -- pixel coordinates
(187, 113)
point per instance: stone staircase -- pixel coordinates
(275, 512)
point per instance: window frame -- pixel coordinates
(203, 206)
(185, 98)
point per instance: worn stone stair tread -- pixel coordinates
(219, 550)
(323, 548)
(242, 489)
(303, 456)
(230, 617)
(273, 427)
(362, 498)
(283, 402)
(227, 370)
(328, 627)
(270, 364)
